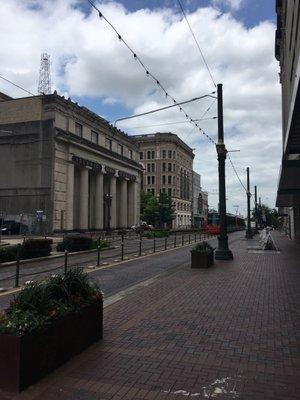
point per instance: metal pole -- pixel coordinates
(175, 244)
(140, 245)
(223, 252)
(182, 239)
(122, 248)
(17, 277)
(166, 240)
(66, 261)
(189, 238)
(195, 237)
(154, 247)
(248, 231)
(256, 211)
(98, 253)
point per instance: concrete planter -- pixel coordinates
(26, 359)
(201, 260)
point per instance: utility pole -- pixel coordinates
(248, 230)
(256, 210)
(222, 252)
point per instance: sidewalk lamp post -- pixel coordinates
(222, 252)
(256, 210)
(248, 230)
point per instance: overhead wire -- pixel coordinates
(196, 41)
(148, 72)
(18, 86)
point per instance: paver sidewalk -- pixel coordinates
(229, 332)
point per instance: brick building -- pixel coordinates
(287, 52)
(64, 160)
(168, 167)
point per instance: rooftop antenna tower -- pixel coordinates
(45, 77)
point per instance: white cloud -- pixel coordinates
(233, 4)
(88, 60)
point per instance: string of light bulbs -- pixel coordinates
(149, 73)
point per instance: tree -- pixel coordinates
(149, 207)
(166, 211)
(157, 212)
(266, 216)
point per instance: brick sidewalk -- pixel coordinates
(229, 332)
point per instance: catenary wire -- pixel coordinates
(148, 72)
(20, 87)
(196, 41)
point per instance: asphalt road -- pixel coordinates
(115, 278)
(40, 269)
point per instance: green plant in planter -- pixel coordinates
(38, 304)
(203, 248)
(202, 255)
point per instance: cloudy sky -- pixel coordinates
(94, 68)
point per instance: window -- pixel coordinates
(148, 167)
(108, 143)
(153, 192)
(174, 154)
(120, 149)
(148, 155)
(164, 179)
(141, 155)
(174, 192)
(148, 180)
(164, 167)
(130, 154)
(153, 180)
(169, 179)
(153, 154)
(169, 167)
(152, 167)
(164, 154)
(170, 154)
(170, 192)
(94, 137)
(174, 180)
(174, 167)
(78, 129)
(164, 190)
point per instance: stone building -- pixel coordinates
(67, 162)
(200, 203)
(168, 167)
(287, 52)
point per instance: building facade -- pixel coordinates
(168, 167)
(287, 52)
(200, 203)
(68, 163)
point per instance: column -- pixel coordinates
(123, 219)
(84, 199)
(131, 204)
(99, 202)
(70, 196)
(113, 207)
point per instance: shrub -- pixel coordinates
(32, 248)
(8, 253)
(157, 234)
(75, 243)
(203, 248)
(104, 244)
(38, 304)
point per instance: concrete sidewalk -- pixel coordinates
(229, 332)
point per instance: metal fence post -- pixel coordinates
(189, 238)
(166, 244)
(140, 245)
(154, 244)
(17, 277)
(122, 248)
(175, 240)
(98, 252)
(66, 261)
(182, 239)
